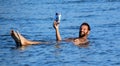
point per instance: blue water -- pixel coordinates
(34, 19)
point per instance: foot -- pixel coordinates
(21, 40)
(16, 37)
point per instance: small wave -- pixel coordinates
(80, 1)
(29, 3)
(4, 35)
(26, 19)
(72, 27)
(84, 16)
(116, 24)
(73, 1)
(109, 9)
(69, 2)
(6, 19)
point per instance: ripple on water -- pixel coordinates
(34, 20)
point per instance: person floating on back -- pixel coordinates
(84, 31)
(81, 39)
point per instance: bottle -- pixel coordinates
(57, 17)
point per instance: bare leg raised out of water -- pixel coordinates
(20, 40)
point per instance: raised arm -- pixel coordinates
(56, 26)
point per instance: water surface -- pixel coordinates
(34, 19)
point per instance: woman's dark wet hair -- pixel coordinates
(84, 23)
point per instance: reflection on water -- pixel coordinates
(34, 20)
